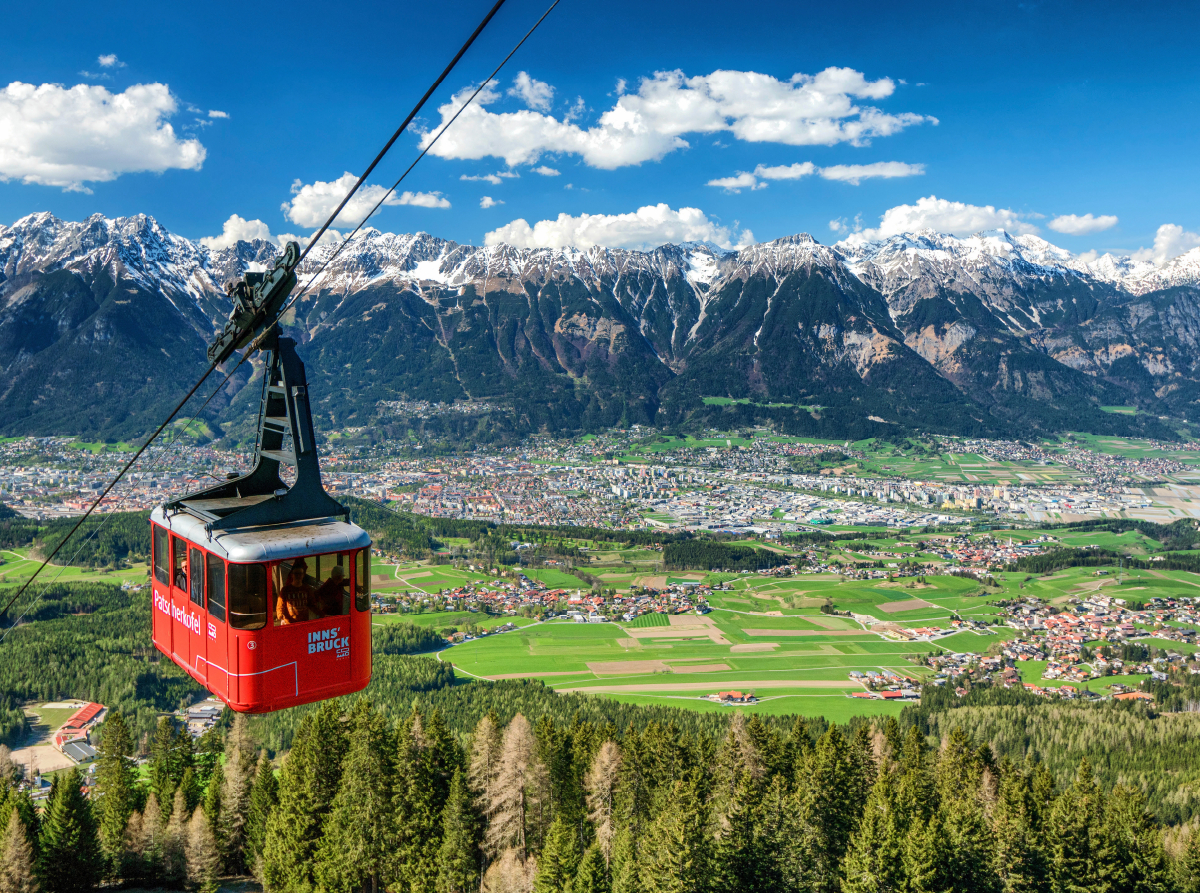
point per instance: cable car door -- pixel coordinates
(216, 630)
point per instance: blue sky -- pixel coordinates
(1028, 115)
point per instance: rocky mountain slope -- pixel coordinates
(103, 325)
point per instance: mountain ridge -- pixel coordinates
(994, 329)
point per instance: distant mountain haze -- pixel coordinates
(104, 324)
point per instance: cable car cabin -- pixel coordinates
(268, 617)
(260, 592)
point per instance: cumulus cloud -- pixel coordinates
(943, 216)
(214, 113)
(545, 171)
(647, 227)
(1074, 225)
(110, 60)
(534, 93)
(804, 110)
(488, 202)
(1170, 241)
(56, 136)
(238, 229)
(846, 173)
(485, 178)
(314, 202)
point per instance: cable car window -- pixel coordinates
(332, 596)
(179, 563)
(247, 596)
(362, 584)
(162, 558)
(295, 590)
(216, 587)
(196, 561)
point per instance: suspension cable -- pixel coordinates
(408, 120)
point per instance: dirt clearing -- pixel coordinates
(911, 604)
(700, 668)
(753, 646)
(627, 667)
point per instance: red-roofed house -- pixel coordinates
(77, 726)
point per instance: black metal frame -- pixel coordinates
(260, 496)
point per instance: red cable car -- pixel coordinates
(262, 591)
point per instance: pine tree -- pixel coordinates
(624, 868)
(114, 796)
(203, 858)
(592, 876)
(739, 862)
(457, 862)
(214, 809)
(1139, 862)
(873, 863)
(307, 786)
(17, 868)
(925, 857)
(359, 833)
(1020, 856)
(69, 850)
(264, 796)
(170, 756)
(559, 859)
(235, 796)
(971, 852)
(1077, 837)
(1187, 868)
(677, 848)
(829, 807)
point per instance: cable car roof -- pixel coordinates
(267, 543)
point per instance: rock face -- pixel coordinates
(103, 326)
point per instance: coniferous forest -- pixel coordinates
(369, 801)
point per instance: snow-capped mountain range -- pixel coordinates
(991, 326)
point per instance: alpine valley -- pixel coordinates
(104, 324)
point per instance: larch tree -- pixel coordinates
(203, 857)
(175, 842)
(115, 793)
(519, 789)
(1187, 867)
(69, 850)
(17, 868)
(600, 785)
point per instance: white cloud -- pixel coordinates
(944, 217)
(846, 173)
(855, 173)
(786, 171)
(486, 178)
(213, 113)
(488, 202)
(838, 226)
(238, 229)
(647, 227)
(1170, 241)
(736, 184)
(1074, 225)
(314, 202)
(545, 171)
(110, 60)
(644, 126)
(534, 93)
(67, 137)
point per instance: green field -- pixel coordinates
(19, 567)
